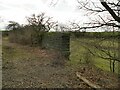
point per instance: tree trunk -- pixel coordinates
(113, 66)
(110, 65)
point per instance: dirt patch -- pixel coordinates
(32, 67)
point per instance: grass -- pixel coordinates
(104, 64)
(76, 52)
(80, 55)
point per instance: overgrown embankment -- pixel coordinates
(32, 67)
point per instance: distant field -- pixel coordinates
(80, 55)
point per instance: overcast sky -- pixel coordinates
(17, 10)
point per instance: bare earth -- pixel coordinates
(32, 67)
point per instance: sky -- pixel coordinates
(17, 10)
(64, 11)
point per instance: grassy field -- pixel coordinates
(80, 55)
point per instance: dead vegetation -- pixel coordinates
(32, 67)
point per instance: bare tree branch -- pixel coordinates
(110, 11)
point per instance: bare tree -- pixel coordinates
(109, 9)
(40, 25)
(101, 10)
(13, 25)
(41, 22)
